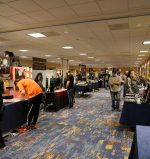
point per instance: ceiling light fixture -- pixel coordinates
(141, 55)
(37, 35)
(71, 60)
(48, 55)
(66, 32)
(144, 51)
(83, 54)
(139, 58)
(23, 50)
(67, 47)
(23, 56)
(90, 57)
(146, 42)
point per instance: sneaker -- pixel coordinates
(113, 109)
(118, 110)
(33, 127)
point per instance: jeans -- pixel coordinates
(115, 97)
(70, 97)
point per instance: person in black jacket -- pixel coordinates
(69, 87)
(2, 144)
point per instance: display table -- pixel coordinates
(135, 114)
(61, 98)
(95, 85)
(58, 98)
(141, 143)
(15, 115)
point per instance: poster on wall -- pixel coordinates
(39, 71)
(21, 73)
(39, 76)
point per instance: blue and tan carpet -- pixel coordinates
(88, 131)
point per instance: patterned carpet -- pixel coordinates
(88, 131)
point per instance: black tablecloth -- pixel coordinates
(15, 115)
(141, 143)
(59, 99)
(135, 114)
(84, 89)
(95, 85)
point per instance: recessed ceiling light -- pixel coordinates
(48, 55)
(83, 54)
(141, 55)
(138, 61)
(144, 51)
(37, 35)
(139, 25)
(66, 32)
(146, 42)
(23, 56)
(71, 60)
(91, 57)
(24, 50)
(67, 47)
(97, 60)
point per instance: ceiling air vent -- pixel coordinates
(119, 26)
(125, 53)
(51, 33)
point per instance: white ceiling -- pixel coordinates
(112, 31)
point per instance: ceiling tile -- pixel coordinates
(73, 2)
(41, 16)
(63, 12)
(139, 22)
(7, 11)
(139, 4)
(5, 21)
(24, 5)
(47, 4)
(117, 21)
(5, 1)
(88, 9)
(21, 18)
(113, 6)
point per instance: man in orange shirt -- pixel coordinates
(30, 88)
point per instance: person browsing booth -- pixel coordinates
(30, 88)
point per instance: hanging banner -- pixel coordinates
(64, 68)
(38, 63)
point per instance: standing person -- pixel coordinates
(33, 90)
(79, 76)
(69, 87)
(107, 75)
(2, 144)
(132, 86)
(124, 78)
(115, 87)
